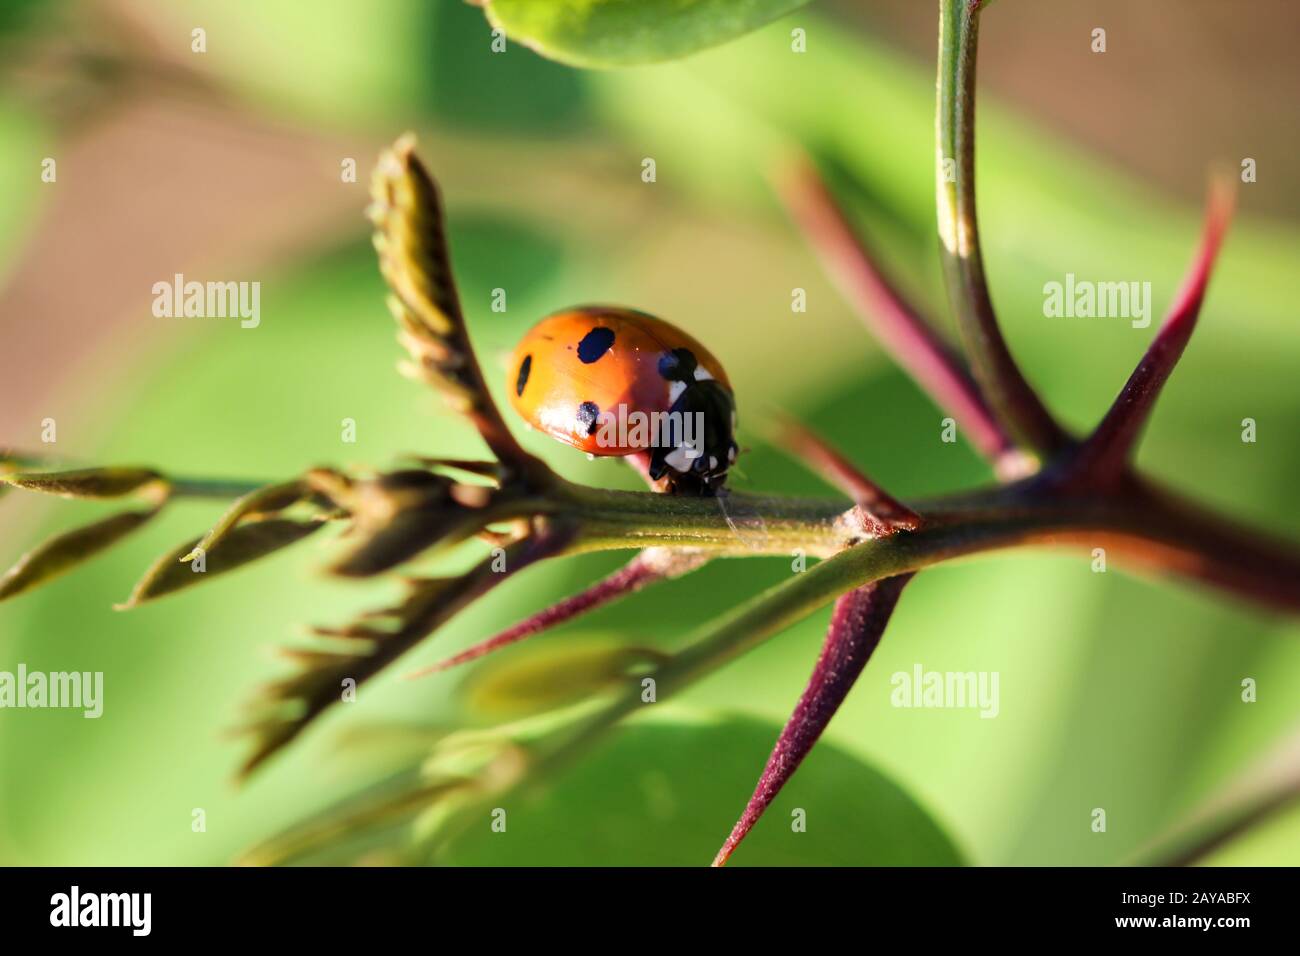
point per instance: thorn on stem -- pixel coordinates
(857, 624)
(649, 566)
(910, 340)
(1104, 456)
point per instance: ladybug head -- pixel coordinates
(698, 446)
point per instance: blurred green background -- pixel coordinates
(1116, 692)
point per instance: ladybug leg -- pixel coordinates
(658, 464)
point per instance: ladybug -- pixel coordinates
(615, 381)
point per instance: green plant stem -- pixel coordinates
(213, 487)
(1013, 401)
(749, 525)
(1140, 522)
(964, 530)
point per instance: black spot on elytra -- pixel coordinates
(588, 412)
(525, 367)
(595, 344)
(678, 365)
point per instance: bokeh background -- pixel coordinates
(1116, 692)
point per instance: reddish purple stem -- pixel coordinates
(857, 624)
(908, 337)
(1104, 456)
(628, 579)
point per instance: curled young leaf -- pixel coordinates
(66, 551)
(91, 482)
(410, 239)
(239, 546)
(268, 500)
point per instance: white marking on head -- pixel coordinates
(702, 374)
(677, 460)
(675, 390)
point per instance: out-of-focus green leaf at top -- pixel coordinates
(17, 15)
(611, 33)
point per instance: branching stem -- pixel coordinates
(1012, 398)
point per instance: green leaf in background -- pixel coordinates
(665, 791)
(660, 791)
(610, 33)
